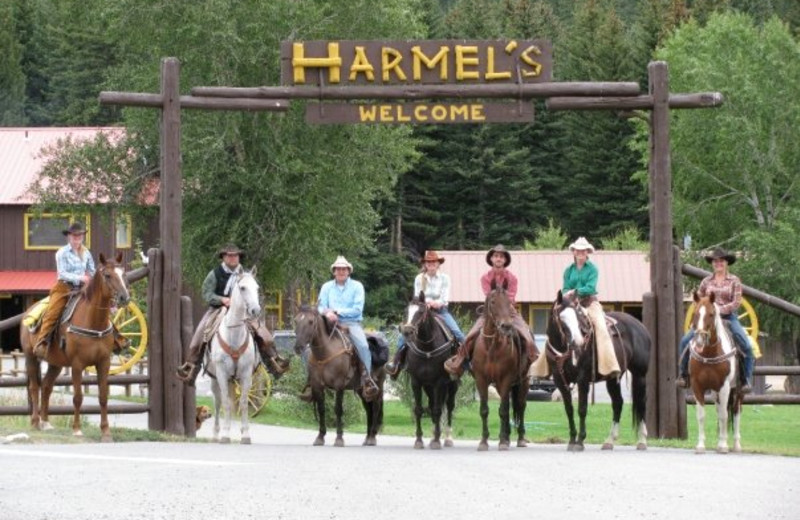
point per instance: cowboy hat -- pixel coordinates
(341, 262)
(432, 256)
(231, 249)
(581, 245)
(718, 252)
(498, 249)
(76, 228)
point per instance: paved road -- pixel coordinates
(282, 476)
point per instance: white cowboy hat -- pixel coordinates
(581, 244)
(341, 262)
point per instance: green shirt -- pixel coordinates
(583, 280)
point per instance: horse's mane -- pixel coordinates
(88, 290)
(722, 334)
(310, 308)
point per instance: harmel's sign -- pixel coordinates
(409, 63)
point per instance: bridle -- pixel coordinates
(427, 315)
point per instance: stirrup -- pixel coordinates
(306, 395)
(682, 382)
(393, 370)
(184, 371)
(454, 366)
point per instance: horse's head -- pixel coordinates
(416, 314)
(246, 293)
(574, 324)
(110, 277)
(497, 309)
(704, 319)
(306, 325)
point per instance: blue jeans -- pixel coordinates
(449, 320)
(739, 336)
(359, 340)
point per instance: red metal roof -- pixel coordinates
(27, 281)
(21, 160)
(624, 275)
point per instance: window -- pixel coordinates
(45, 231)
(538, 316)
(122, 232)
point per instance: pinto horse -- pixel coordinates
(333, 363)
(429, 343)
(499, 357)
(88, 335)
(572, 360)
(233, 356)
(712, 366)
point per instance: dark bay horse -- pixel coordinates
(429, 344)
(571, 356)
(712, 366)
(333, 363)
(499, 357)
(89, 339)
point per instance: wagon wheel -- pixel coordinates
(260, 390)
(747, 317)
(131, 323)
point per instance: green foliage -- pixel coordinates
(550, 238)
(627, 239)
(12, 79)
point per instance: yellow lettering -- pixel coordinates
(300, 63)
(490, 72)
(535, 65)
(476, 113)
(361, 64)
(419, 57)
(462, 60)
(439, 113)
(367, 112)
(401, 116)
(386, 113)
(390, 60)
(421, 113)
(459, 110)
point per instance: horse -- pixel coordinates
(429, 343)
(571, 357)
(87, 333)
(712, 366)
(233, 356)
(499, 357)
(333, 363)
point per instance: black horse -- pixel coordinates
(429, 343)
(571, 356)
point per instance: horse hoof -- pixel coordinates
(319, 441)
(339, 442)
(483, 446)
(723, 450)
(369, 441)
(419, 445)
(246, 440)
(641, 446)
(77, 433)
(522, 443)
(607, 446)
(46, 426)
(579, 447)
(503, 446)
(106, 438)
(699, 451)
(737, 449)
(435, 445)
(448, 443)
(225, 440)
(570, 447)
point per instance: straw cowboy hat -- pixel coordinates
(718, 252)
(76, 228)
(581, 245)
(498, 249)
(341, 262)
(231, 249)
(432, 256)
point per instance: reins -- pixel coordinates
(428, 354)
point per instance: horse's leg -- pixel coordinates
(569, 410)
(520, 396)
(452, 390)
(319, 400)
(613, 387)
(245, 382)
(339, 410)
(700, 405)
(47, 390)
(736, 410)
(225, 400)
(583, 408)
(435, 403)
(33, 369)
(483, 392)
(505, 426)
(77, 400)
(217, 405)
(102, 398)
(416, 389)
(722, 418)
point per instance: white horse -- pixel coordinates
(233, 355)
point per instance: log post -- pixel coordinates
(155, 397)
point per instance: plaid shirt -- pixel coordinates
(727, 293)
(71, 266)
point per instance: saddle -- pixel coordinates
(378, 346)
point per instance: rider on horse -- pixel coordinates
(216, 293)
(341, 301)
(436, 287)
(727, 289)
(498, 258)
(75, 268)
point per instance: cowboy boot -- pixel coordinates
(188, 372)
(748, 365)
(369, 389)
(395, 366)
(120, 342)
(306, 395)
(455, 365)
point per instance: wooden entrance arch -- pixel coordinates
(662, 306)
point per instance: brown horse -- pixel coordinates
(89, 339)
(333, 363)
(712, 366)
(499, 357)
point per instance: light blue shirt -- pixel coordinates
(346, 300)
(71, 266)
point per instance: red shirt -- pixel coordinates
(499, 277)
